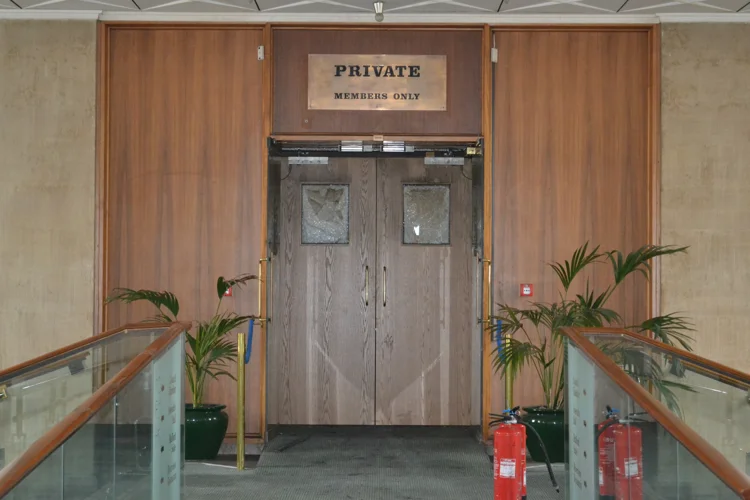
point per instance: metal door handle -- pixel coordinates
(489, 292)
(367, 286)
(479, 276)
(384, 286)
(269, 296)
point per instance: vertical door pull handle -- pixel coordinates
(367, 286)
(384, 286)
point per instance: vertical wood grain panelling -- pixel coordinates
(321, 351)
(184, 175)
(461, 46)
(572, 163)
(425, 318)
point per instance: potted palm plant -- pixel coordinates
(210, 353)
(533, 337)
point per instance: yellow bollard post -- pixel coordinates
(241, 401)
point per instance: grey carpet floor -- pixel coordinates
(381, 467)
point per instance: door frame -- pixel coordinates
(272, 161)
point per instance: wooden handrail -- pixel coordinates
(36, 371)
(77, 346)
(714, 461)
(706, 366)
(43, 447)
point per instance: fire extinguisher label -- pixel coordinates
(631, 467)
(601, 476)
(507, 468)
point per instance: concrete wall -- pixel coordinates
(706, 183)
(47, 196)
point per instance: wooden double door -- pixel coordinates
(373, 301)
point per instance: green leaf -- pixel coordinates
(210, 349)
(532, 336)
(638, 260)
(223, 373)
(513, 355)
(158, 318)
(666, 393)
(670, 329)
(588, 300)
(158, 299)
(567, 271)
(512, 318)
(676, 366)
(223, 285)
(589, 311)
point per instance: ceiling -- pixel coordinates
(488, 10)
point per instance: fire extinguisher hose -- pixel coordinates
(546, 457)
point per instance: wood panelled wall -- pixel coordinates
(181, 184)
(463, 48)
(183, 176)
(571, 164)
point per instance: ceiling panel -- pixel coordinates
(603, 6)
(199, 7)
(555, 8)
(561, 6)
(470, 6)
(730, 5)
(668, 7)
(117, 5)
(412, 8)
(441, 8)
(203, 6)
(311, 6)
(400, 6)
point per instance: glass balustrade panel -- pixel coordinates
(616, 449)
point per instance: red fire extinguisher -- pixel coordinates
(606, 444)
(628, 462)
(510, 457)
(620, 457)
(509, 466)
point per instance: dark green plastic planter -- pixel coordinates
(550, 424)
(205, 429)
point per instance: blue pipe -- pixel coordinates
(499, 338)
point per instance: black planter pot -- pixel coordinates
(205, 428)
(550, 424)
